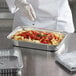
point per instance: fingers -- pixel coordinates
(31, 12)
(29, 15)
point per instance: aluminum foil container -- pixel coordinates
(10, 60)
(32, 45)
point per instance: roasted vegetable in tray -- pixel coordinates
(36, 36)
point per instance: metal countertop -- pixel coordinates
(38, 62)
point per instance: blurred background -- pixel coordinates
(6, 18)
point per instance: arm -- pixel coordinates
(65, 20)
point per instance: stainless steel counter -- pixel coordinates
(38, 62)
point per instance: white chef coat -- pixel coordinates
(51, 14)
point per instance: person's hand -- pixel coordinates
(26, 9)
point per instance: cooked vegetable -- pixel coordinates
(52, 38)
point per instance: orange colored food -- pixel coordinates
(52, 38)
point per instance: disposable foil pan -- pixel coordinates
(10, 60)
(31, 44)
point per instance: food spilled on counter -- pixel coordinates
(36, 36)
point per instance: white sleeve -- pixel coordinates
(11, 5)
(65, 20)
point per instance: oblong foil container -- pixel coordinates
(10, 60)
(32, 45)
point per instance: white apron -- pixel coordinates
(51, 14)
